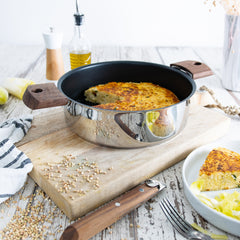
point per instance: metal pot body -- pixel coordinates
(126, 129)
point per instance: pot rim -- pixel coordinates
(178, 71)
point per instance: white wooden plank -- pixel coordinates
(171, 55)
(214, 58)
(16, 60)
(148, 220)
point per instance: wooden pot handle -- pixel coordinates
(105, 216)
(44, 95)
(196, 69)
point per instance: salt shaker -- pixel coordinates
(54, 59)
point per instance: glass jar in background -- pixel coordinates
(231, 53)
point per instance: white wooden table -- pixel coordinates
(148, 221)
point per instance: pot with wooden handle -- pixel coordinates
(114, 128)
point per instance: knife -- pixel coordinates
(105, 216)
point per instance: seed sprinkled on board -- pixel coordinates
(72, 173)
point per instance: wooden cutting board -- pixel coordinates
(80, 176)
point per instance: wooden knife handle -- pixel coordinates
(196, 69)
(105, 216)
(43, 95)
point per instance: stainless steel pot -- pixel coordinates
(114, 128)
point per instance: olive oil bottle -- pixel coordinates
(80, 49)
(79, 58)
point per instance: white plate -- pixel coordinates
(190, 173)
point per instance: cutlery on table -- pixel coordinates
(183, 227)
(103, 217)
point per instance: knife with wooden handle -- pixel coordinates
(105, 216)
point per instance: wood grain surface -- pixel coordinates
(105, 216)
(147, 221)
(128, 167)
(43, 95)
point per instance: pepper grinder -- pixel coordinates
(54, 59)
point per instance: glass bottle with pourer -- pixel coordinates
(80, 48)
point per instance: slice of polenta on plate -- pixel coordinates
(220, 171)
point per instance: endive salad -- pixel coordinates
(13, 86)
(16, 86)
(224, 202)
(3, 95)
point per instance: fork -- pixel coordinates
(183, 227)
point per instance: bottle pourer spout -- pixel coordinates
(78, 18)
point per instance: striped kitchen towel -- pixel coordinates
(14, 164)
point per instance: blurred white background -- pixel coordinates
(112, 22)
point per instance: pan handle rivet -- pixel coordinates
(117, 204)
(141, 190)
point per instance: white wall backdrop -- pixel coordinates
(115, 22)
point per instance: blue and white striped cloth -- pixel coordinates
(14, 164)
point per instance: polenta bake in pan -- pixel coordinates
(220, 171)
(130, 96)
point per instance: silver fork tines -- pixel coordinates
(180, 224)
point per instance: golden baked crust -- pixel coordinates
(221, 160)
(221, 170)
(130, 96)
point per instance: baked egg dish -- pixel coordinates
(130, 96)
(220, 171)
